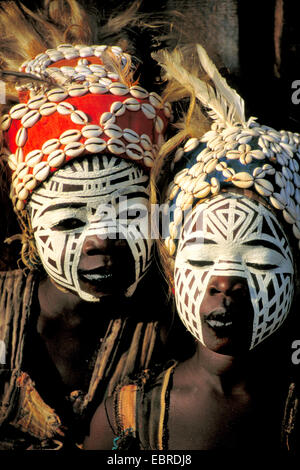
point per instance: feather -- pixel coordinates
(222, 103)
(230, 95)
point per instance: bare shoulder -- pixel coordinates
(101, 435)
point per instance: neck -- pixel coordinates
(225, 373)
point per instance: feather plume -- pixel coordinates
(222, 103)
(221, 85)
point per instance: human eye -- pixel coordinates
(71, 223)
(263, 266)
(200, 263)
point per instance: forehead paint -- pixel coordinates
(231, 235)
(94, 191)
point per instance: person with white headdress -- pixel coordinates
(229, 251)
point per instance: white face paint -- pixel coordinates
(100, 196)
(231, 235)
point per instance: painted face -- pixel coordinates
(233, 272)
(90, 226)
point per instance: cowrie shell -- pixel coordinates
(41, 171)
(22, 170)
(112, 130)
(78, 90)
(167, 110)
(288, 217)
(280, 179)
(95, 145)
(228, 173)
(287, 173)
(148, 159)
(23, 194)
(201, 188)
(33, 157)
(79, 117)
(47, 109)
(55, 56)
(179, 176)
(244, 139)
(296, 231)
(67, 71)
(21, 137)
(186, 201)
(191, 144)
(86, 51)
(245, 159)
(119, 89)
(82, 61)
(215, 185)
(6, 122)
(131, 136)
(50, 145)
(263, 187)
(134, 151)
(170, 246)
(210, 166)
(145, 142)
(173, 229)
(155, 99)
(138, 92)
(65, 108)
(178, 216)
(242, 179)
(185, 183)
(29, 182)
(296, 178)
(30, 118)
(117, 108)
(97, 88)
(71, 54)
(148, 110)
(91, 130)
(56, 95)
(80, 68)
(71, 135)
(18, 111)
(132, 104)
(20, 205)
(97, 68)
(12, 162)
(106, 118)
(233, 155)
(196, 169)
(269, 169)
(259, 173)
(159, 124)
(178, 155)
(74, 149)
(19, 155)
(36, 102)
(56, 158)
(173, 192)
(116, 146)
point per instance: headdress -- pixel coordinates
(235, 152)
(84, 101)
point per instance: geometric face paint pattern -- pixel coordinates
(99, 192)
(232, 235)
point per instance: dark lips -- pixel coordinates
(101, 275)
(221, 319)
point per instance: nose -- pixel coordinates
(229, 288)
(95, 245)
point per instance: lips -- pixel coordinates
(220, 319)
(96, 276)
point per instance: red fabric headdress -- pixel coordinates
(85, 108)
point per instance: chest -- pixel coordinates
(206, 421)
